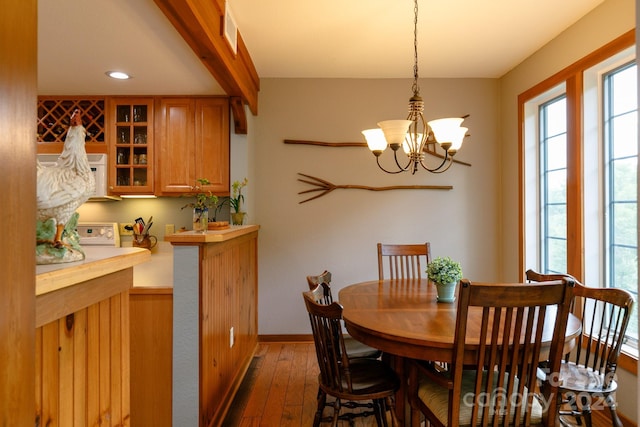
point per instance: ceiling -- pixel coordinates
(78, 40)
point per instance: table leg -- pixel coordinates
(403, 409)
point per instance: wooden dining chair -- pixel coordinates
(588, 373)
(404, 261)
(498, 384)
(343, 378)
(320, 285)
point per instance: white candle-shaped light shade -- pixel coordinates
(395, 131)
(456, 143)
(375, 139)
(445, 130)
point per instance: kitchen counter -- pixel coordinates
(215, 320)
(99, 261)
(82, 345)
(211, 236)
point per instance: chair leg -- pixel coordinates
(322, 401)
(391, 407)
(586, 410)
(336, 412)
(379, 412)
(613, 409)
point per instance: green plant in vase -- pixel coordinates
(203, 200)
(445, 273)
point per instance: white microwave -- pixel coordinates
(98, 164)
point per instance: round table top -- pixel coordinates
(403, 317)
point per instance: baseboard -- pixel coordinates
(286, 338)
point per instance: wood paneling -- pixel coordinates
(82, 366)
(18, 84)
(151, 313)
(54, 305)
(228, 299)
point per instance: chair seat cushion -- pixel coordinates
(356, 349)
(579, 378)
(370, 378)
(436, 398)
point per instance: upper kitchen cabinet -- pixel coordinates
(130, 145)
(192, 142)
(54, 114)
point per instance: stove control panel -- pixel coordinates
(99, 234)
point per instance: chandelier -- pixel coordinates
(414, 134)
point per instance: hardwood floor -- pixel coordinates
(280, 389)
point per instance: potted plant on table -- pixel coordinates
(445, 273)
(203, 201)
(236, 199)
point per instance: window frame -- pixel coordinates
(572, 79)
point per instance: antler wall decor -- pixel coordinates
(325, 187)
(362, 144)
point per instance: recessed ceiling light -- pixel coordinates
(118, 75)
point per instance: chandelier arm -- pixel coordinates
(395, 156)
(387, 171)
(441, 167)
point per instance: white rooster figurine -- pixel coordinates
(63, 187)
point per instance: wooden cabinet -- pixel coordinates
(151, 315)
(192, 142)
(131, 143)
(54, 114)
(156, 145)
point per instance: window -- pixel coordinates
(620, 180)
(579, 168)
(553, 179)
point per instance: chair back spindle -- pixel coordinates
(403, 261)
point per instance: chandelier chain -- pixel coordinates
(416, 88)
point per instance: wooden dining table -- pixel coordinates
(403, 318)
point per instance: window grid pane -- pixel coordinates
(621, 156)
(553, 185)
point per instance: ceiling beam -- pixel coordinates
(201, 24)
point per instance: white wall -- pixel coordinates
(339, 231)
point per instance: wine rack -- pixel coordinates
(54, 115)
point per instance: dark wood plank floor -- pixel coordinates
(280, 389)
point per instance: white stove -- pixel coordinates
(99, 234)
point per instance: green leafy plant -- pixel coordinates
(444, 270)
(236, 198)
(203, 199)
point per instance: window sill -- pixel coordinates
(628, 362)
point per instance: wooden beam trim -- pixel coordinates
(239, 115)
(200, 24)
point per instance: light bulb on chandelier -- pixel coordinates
(414, 134)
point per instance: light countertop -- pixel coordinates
(99, 261)
(211, 236)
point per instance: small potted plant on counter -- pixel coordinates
(203, 201)
(446, 274)
(235, 202)
(236, 199)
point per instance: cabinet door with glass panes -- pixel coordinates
(130, 145)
